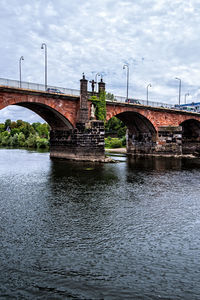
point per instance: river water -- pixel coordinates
(128, 230)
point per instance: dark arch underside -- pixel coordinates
(55, 120)
(136, 123)
(141, 134)
(190, 136)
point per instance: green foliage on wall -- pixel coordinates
(100, 105)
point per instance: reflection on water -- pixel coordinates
(127, 230)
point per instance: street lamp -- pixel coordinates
(179, 94)
(149, 85)
(44, 46)
(187, 94)
(98, 74)
(20, 71)
(126, 66)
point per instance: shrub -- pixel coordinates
(21, 139)
(115, 143)
(14, 142)
(31, 141)
(107, 142)
(42, 143)
(123, 140)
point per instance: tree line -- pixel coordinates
(23, 134)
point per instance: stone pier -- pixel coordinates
(85, 142)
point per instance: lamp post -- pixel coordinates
(20, 71)
(126, 66)
(187, 94)
(98, 74)
(179, 94)
(149, 85)
(44, 46)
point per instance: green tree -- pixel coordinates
(31, 141)
(14, 142)
(7, 124)
(115, 127)
(43, 130)
(1, 127)
(110, 96)
(5, 141)
(21, 139)
(42, 143)
(20, 123)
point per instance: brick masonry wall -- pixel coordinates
(141, 144)
(169, 140)
(84, 143)
(64, 105)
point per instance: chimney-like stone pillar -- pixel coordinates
(101, 85)
(83, 112)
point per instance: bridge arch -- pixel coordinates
(141, 133)
(60, 114)
(190, 136)
(54, 118)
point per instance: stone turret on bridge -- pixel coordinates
(83, 110)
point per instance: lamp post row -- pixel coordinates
(43, 46)
(149, 85)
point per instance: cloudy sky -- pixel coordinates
(159, 39)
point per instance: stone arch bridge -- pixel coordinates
(76, 135)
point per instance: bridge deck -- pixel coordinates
(4, 88)
(152, 108)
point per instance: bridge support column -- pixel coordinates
(169, 140)
(81, 143)
(140, 143)
(86, 141)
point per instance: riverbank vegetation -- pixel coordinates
(23, 134)
(19, 134)
(115, 134)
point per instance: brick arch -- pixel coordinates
(184, 118)
(152, 116)
(50, 115)
(136, 121)
(58, 113)
(141, 134)
(130, 117)
(157, 116)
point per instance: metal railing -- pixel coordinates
(141, 101)
(38, 87)
(133, 101)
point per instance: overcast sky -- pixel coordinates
(159, 39)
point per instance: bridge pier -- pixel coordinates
(167, 141)
(142, 143)
(85, 142)
(81, 143)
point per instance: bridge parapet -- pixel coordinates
(38, 87)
